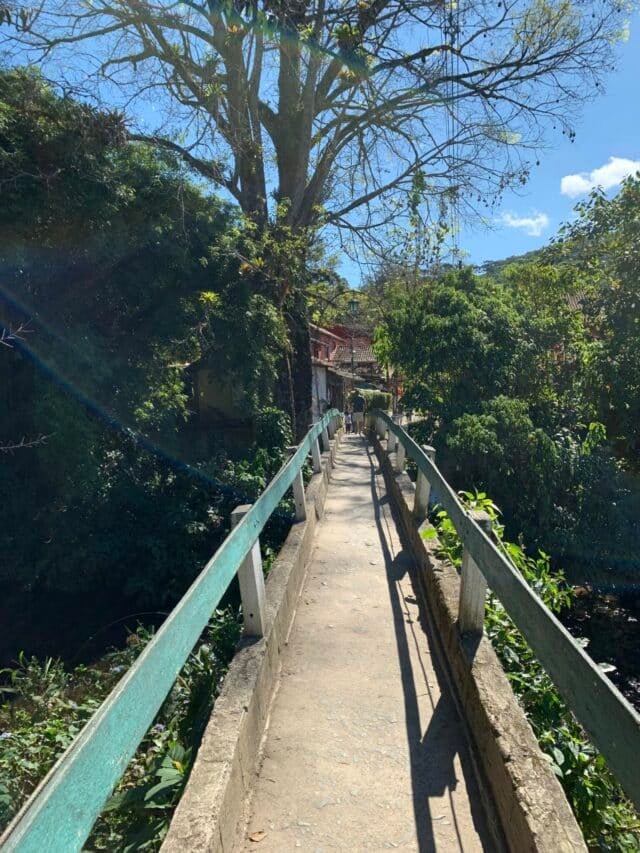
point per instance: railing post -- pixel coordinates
(473, 586)
(423, 488)
(251, 580)
(325, 439)
(298, 490)
(315, 456)
(393, 438)
(331, 428)
(400, 457)
(299, 498)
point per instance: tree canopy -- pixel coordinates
(336, 112)
(603, 245)
(122, 272)
(527, 380)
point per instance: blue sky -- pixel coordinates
(609, 128)
(607, 147)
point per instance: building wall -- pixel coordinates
(217, 399)
(324, 343)
(319, 391)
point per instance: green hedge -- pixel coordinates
(375, 399)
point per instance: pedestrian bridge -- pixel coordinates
(364, 709)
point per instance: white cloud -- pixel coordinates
(532, 225)
(610, 175)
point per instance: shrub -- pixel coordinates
(48, 706)
(607, 819)
(375, 399)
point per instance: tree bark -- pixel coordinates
(293, 392)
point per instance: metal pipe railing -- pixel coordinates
(60, 813)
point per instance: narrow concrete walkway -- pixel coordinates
(364, 749)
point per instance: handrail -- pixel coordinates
(60, 814)
(608, 718)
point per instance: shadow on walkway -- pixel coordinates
(432, 753)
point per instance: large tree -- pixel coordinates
(335, 106)
(347, 113)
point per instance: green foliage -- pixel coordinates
(461, 341)
(374, 399)
(103, 535)
(46, 707)
(127, 271)
(607, 819)
(129, 277)
(503, 370)
(496, 445)
(242, 335)
(273, 428)
(262, 461)
(603, 244)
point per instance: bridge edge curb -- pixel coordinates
(212, 810)
(529, 803)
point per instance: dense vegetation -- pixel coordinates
(50, 704)
(530, 382)
(607, 819)
(120, 276)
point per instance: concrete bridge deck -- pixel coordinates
(364, 748)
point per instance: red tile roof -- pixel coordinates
(362, 353)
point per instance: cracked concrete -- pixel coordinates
(364, 749)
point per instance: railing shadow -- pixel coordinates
(433, 752)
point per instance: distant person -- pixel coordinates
(359, 408)
(348, 421)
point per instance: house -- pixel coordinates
(222, 418)
(356, 355)
(343, 358)
(330, 383)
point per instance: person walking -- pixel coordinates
(359, 408)
(347, 421)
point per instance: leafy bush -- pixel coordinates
(128, 274)
(375, 399)
(495, 447)
(564, 492)
(526, 380)
(273, 428)
(47, 706)
(607, 819)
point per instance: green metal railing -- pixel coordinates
(610, 721)
(61, 812)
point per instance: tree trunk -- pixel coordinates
(293, 392)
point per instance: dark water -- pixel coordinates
(611, 623)
(75, 628)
